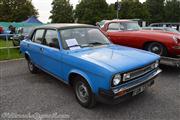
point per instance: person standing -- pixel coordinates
(1, 30)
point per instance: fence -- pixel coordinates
(7, 49)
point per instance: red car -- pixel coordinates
(129, 33)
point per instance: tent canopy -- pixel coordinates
(32, 19)
(30, 22)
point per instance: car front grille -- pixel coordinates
(138, 73)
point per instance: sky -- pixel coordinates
(44, 7)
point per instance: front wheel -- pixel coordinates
(83, 93)
(32, 68)
(157, 48)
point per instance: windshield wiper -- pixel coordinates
(98, 43)
(72, 46)
(86, 45)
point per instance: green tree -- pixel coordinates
(172, 11)
(91, 11)
(156, 10)
(131, 9)
(16, 10)
(62, 12)
(112, 13)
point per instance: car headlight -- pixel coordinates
(176, 39)
(116, 80)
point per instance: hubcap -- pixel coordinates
(82, 92)
(30, 66)
(156, 49)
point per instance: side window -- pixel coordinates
(113, 26)
(38, 36)
(51, 39)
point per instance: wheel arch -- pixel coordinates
(73, 75)
(151, 41)
(27, 56)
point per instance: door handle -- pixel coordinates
(41, 49)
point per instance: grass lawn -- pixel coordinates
(4, 43)
(13, 52)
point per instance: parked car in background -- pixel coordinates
(129, 33)
(21, 34)
(6, 35)
(172, 25)
(102, 23)
(162, 29)
(82, 56)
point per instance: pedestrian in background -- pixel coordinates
(1, 30)
(12, 29)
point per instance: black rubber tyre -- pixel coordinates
(32, 68)
(83, 93)
(156, 48)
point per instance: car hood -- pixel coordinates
(163, 32)
(155, 33)
(116, 57)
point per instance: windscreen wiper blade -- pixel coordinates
(72, 46)
(98, 43)
(86, 45)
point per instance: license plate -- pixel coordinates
(139, 90)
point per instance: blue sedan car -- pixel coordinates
(83, 57)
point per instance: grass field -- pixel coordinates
(13, 52)
(4, 43)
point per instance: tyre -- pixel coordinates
(157, 48)
(32, 68)
(83, 93)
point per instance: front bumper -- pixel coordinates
(170, 61)
(177, 47)
(115, 96)
(175, 51)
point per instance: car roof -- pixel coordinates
(65, 25)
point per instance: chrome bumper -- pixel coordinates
(177, 47)
(170, 61)
(128, 89)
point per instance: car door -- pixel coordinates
(35, 47)
(116, 34)
(52, 53)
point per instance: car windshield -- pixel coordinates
(82, 37)
(124, 26)
(130, 26)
